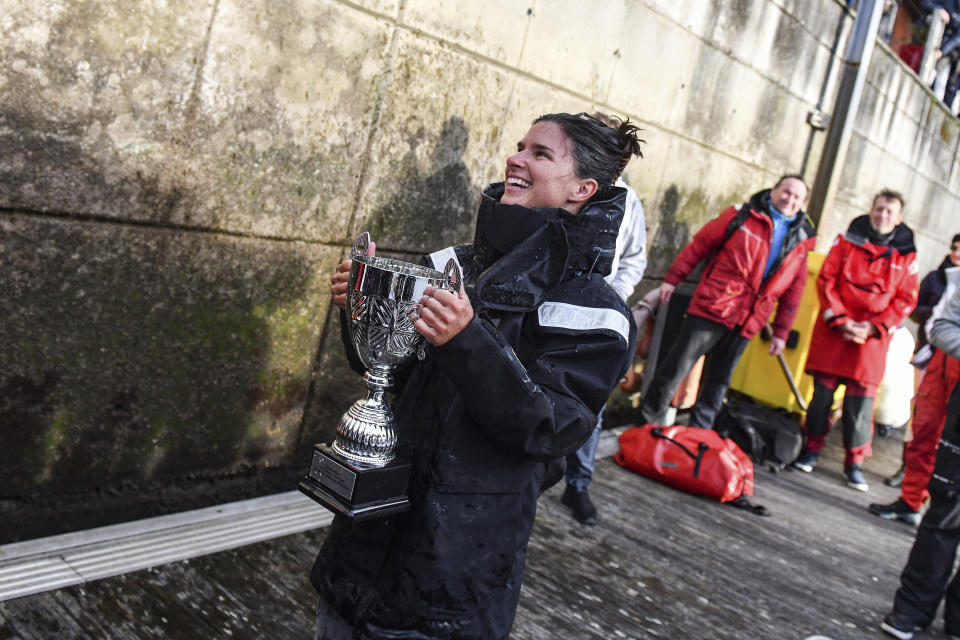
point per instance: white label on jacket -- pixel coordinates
(440, 259)
(571, 316)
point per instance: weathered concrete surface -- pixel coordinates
(229, 115)
(906, 140)
(132, 354)
(659, 564)
(156, 153)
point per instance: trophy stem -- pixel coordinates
(366, 433)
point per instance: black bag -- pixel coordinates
(764, 434)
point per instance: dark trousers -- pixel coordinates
(924, 579)
(856, 419)
(698, 336)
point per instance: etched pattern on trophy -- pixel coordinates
(360, 466)
(404, 338)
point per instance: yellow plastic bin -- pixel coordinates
(759, 374)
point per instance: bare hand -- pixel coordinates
(341, 277)
(666, 290)
(443, 315)
(945, 15)
(856, 332)
(777, 345)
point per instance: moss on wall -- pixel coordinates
(134, 354)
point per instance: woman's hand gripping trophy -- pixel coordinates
(441, 316)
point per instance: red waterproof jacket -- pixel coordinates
(732, 290)
(861, 281)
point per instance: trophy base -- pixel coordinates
(357, 492)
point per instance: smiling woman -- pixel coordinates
(520, 363)
(565, 160)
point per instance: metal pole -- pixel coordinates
(856, 63)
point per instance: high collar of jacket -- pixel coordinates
(523, 254)
(859, 234)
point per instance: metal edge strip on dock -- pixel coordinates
(54, 562)
(34, 566)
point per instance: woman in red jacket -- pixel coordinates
(867, 285)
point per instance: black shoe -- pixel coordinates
(896, 479)
(899, 626)
(579, 502)
(898, 510)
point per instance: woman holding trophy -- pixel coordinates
(520, 361)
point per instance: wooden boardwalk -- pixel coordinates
(659, 564)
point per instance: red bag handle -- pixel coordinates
(702, 447)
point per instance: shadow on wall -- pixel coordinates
(417, 213)
(425, 211)
(135, 356)
(671, 235)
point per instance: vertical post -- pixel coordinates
(928, 63)
(856, 63)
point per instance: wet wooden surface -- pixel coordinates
(659, 564)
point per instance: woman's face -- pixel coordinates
(955, 254)
(541, 173)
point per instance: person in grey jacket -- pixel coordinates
(926, 578)
(629, 262)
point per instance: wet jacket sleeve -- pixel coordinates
(945, 333)
(704, 243)
(832, 308)
(543, 404)
(790, 301)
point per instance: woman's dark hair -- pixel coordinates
(601, 150)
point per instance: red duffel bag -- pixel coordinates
(694, 460)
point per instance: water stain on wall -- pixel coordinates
(429, 209)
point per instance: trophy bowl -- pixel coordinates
(382, 295)
(360, 474)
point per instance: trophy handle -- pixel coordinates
(453, 273)
(360, 245)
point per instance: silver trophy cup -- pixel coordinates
(362, 474)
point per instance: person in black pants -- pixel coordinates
(926, 578)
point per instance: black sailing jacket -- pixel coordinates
(488, 415)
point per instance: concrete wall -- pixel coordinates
(904, 139)
(178, 179)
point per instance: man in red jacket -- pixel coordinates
(756, 260)
(867, 285)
